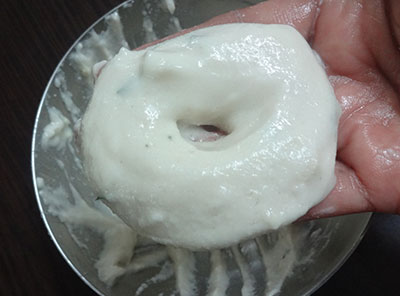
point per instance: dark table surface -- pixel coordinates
(34, 37)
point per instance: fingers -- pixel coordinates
(359, 52)
(372, 185)
(348, 196)
(354, 39)
(382, 33)
(352, 96)
(369, 141)
(301, 14)
(339, 38)
(372, 149)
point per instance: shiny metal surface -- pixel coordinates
(344, 233)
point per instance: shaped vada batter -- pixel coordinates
(212, 137)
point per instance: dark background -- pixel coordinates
(34, 37)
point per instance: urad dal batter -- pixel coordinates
(212, 137)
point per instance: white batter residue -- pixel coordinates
(58, 132)
(119, 258)
(66, 96)
(148, 22)
(168, 5)
(76, 212)
(98, 47)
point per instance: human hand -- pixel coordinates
(358, 42)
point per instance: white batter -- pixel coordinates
(270, 160)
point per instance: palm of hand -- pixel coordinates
(354, 39)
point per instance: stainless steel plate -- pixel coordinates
(340, 235)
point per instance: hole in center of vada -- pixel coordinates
(201, 132)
